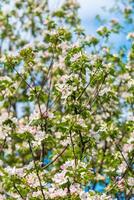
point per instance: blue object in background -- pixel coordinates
(47, 158)
(121, 196)
(99, 186)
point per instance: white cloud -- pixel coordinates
(90, 8)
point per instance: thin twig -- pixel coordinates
(82, 144)
(54, 160)
(86, 86)
(75, 157)
(37, 172)
(23, 79)
(123, 175)
(129, 167)
(15, 187)
(97, 91)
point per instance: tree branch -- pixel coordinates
(36, 169)
(58, 156)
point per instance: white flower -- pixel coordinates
(39, 136)
(36, 194)
(60, 178)
(120, 184)
(15, 171)
(57, 192)
(104, 91)
(128, 147)
(130, 83)
(102, 30)
(58, 134)
(105, 50)
(122, 167)
(5, 78)
(69, 163)
(2, 197)
(75, 57)
(3, 134)
(126, 95)
(131, 181)
(114, 21)
(75, 188)
(65, 142)
(83, 195)
(32, 180)
(81, 122)
(130, 36)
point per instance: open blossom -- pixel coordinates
(58, 134)
(102, 30)
(61, 85)
(81, 122)
(14, 195)
(69, 163)
(124, 77)
(114, 21)
(130, 181)
(105, 50)
(75, 57)
(5, 78)
(3, 133)
(15, 171)
(130, 35)
(121, 184)
(84, 195)
(55, 192)
(37, 194)
(104, 91)
(64, 47)
(131, 139)
(93, 58)
(38, 137)
(130, 83)
(64, 89)
(126, 95)
(122, 167)
(65, 142)
(32, 180)
(64, 79)
(75, 188)
(47, 54)
(60, 178)
(128, 147)
(2, 196)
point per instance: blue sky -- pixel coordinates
(88, 10)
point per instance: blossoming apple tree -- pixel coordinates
(75, 128)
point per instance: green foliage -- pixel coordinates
(76, 90)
